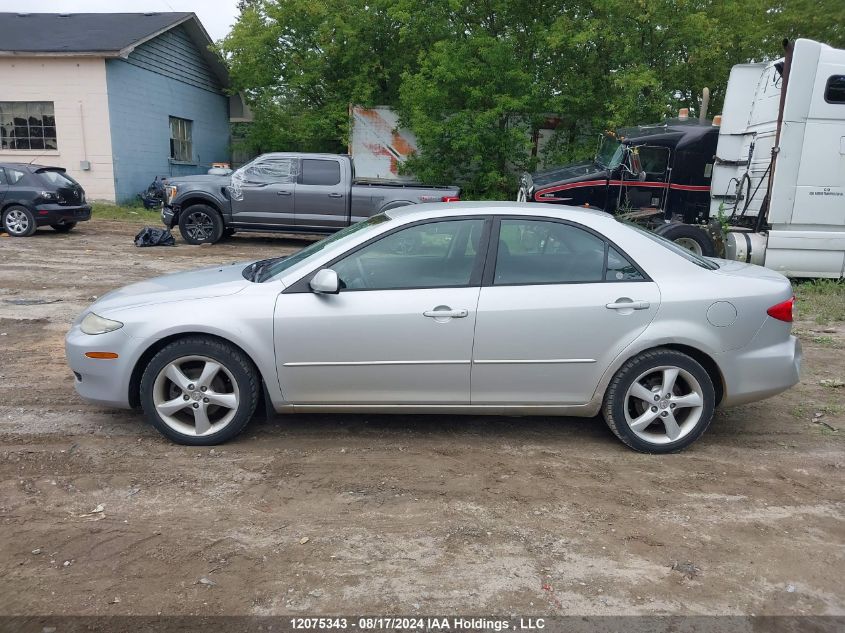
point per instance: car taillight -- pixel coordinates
(782, 311)
(450, 199)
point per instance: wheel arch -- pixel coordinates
(198, 198)
(146, 356)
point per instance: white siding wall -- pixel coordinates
(77, 87)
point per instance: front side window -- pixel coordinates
(834, 91)
(432, 255)
(27, 125)
(181, 140)
(654, 160)
(320, 172)
(267, 171)
(541, 252)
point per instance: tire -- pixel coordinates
(691, 237)
(63, 228)
(644, 423)
(217, 404)
(200, 224)
(18, 221)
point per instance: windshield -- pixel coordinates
(678, 250)
(289, 262)
(610, 152)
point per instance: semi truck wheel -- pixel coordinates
(692, 238)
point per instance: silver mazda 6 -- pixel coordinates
(498, 308)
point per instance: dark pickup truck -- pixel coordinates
(308, 193)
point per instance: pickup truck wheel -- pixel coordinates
(200, 224)
(692, 238)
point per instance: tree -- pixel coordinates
(474, 79)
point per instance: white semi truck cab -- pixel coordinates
(779, 172)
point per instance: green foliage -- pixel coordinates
(820, 299)
(474, 80)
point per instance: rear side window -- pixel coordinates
(540, 252)
(3, 177)
(320, 172)
(834, 91)
(13, 176)
(619, 268)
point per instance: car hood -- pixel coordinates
(587, 170)
(214, 281)
(212, 179)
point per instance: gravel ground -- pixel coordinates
(367, 514)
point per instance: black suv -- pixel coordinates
(34, 195)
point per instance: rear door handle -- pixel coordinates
(446, 314)
(628, 305)
(283, 193)
(335, 195)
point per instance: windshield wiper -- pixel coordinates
(256, 269)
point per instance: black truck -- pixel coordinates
(657, 175)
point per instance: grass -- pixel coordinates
(125, 212)
(821, 299)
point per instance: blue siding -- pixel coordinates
(162, 78)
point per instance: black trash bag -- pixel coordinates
(150, 236)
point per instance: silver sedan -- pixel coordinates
(452, 308)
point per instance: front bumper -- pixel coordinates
(757, 372)
(168, 215)
(47, 214)
(99, 381)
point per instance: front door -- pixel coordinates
(322, 196)
(262, 192)
(552, 316)
(649, 188)
(400, 331)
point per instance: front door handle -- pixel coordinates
(621, 304)
(283, 193)
(335, 195)
(445, 312)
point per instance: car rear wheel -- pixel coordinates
(660, 401)
(199, 391)
(19, 222)
(200, 224)
(63, 228)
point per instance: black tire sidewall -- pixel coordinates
(614, 405)
(241, 368)
(688, 231)
(32, 222)
(212, 213)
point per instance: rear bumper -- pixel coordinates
(755, 373)
(46, 214)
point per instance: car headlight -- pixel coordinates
(95, 324)
(170, 191)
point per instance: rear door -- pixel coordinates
(558, 306)
(262, 192)
(322, 195)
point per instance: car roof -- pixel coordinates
(450, 209)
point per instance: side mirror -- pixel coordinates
(325, 282)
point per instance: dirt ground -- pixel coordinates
(402, 514)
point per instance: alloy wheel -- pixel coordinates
(17, 222)
(196, 395)
(663, 404)
(689, 244)
(199, 226)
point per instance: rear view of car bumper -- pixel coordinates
(46, 214)
(760, 371)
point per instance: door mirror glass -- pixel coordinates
(325, 282)
(634, 165)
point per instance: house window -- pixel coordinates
(181, 145)
(27, 125)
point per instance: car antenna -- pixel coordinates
(36, 158)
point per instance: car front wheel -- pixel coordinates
(200, 224)
(19, 222)
(660, 401)
(199, 391)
